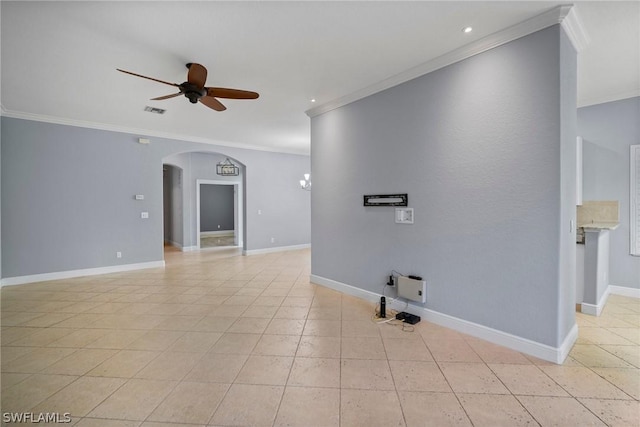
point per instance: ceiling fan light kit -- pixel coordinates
(195, 91)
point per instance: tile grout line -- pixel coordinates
(293, 361)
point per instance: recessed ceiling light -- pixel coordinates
(467, 29)
(313, 100)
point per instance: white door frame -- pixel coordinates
(237, 208)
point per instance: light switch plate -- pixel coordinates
(144, 215)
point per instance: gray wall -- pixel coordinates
(68, 197)
(1, 191)
(607, 131)
(568, 153)
(167, 202)
(173, 211)
(216, 207)
(479, 146)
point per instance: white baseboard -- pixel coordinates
(192, 248)
(532, 348)
(567, 344)
(217, 233)
(590, 309)
(624, 291)
(276, 249)
(182, 248)
(20, 280)
(596, 310)
(346, 289)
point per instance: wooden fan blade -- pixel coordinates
(213, 103)
(149, 78)
(223, 92)
(160, 98)
(197, 74)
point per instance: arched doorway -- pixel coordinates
(183, 177)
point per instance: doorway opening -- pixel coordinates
(218, 214)
(172, 206)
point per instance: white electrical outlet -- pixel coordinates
(404, 215)
(118, 254)
(415, 290)
(144, 215)
(273, 240)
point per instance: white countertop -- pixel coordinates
(599, 226)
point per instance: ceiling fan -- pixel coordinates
(195, 90)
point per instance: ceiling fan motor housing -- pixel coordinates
(192, 92)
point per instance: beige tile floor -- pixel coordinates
(218, 339)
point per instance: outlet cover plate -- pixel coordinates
(404, 215)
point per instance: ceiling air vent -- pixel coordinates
(154, 110)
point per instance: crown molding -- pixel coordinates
(555, 16)
(140, 132)
(573, 28)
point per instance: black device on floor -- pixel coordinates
(383, 307)
(409, 318)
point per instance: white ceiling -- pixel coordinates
(59, 59)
